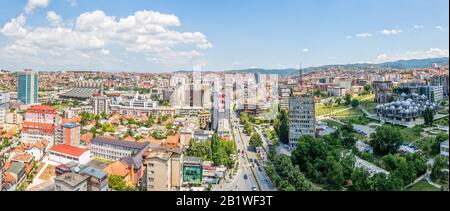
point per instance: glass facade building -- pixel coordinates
(27, 87)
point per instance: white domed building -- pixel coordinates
(407, 109)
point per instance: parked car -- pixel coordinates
(245, 176)
(254, 188)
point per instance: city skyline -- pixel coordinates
(155, 36)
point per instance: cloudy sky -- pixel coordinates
(170, 35)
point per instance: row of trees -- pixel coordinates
(216, 149)
(281, 126)
(247, 121)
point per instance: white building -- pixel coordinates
(3, 113)
(444, 148)
(369, 167)
(100, 104)
(65, 153)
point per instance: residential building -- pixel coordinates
(444, 148)
(64, 154)
(14, 118)
(41, 114)
(72, 182)
(113, 149)
(301, 118)
(33, 132)
(101, 104)
(163, 170)
(27, 87)
(285, 95)
(204, 120)
(4, 99)
(69, 134)
(98, 179)
(3, 115)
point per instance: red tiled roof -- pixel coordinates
(42, 108)
(86, 138)
(68, 150)
(38, 125)
(22, 158)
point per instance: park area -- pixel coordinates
(422, 186)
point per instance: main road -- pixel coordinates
(247, 177)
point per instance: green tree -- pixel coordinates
(368, 88)
(355, 103)
(385, 140)
(335, 174)
(118, 183)
(428, 116)
(255, 140)
(283, 130)
(338, 101)
(348, 99)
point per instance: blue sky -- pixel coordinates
(170, 35)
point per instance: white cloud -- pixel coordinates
(364, 35)
(54, 19)
(431, 53)
(348, 37)
(391, 32)
(440, 28)
(305, 50)
(33, 4)
(418, 26)
(145, 33)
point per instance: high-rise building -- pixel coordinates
(285, 94)
(4, 100)
(27, 87)
(69, 134)
(441, 80)
(301, 118)
(101, 104)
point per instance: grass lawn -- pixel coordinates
(422, 186)
(443, 121)
(48, 173)
(409, 134)
(321, 109)
(331, 123)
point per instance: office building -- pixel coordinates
(27, 87)
(441, 80)
(192, 171)
(301, 118)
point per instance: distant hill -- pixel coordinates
(402, 64)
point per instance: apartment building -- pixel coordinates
(163, 170)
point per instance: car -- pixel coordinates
(254, 188)
(245, 176)
(259, 168)
(251, 160)
(239, 151)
